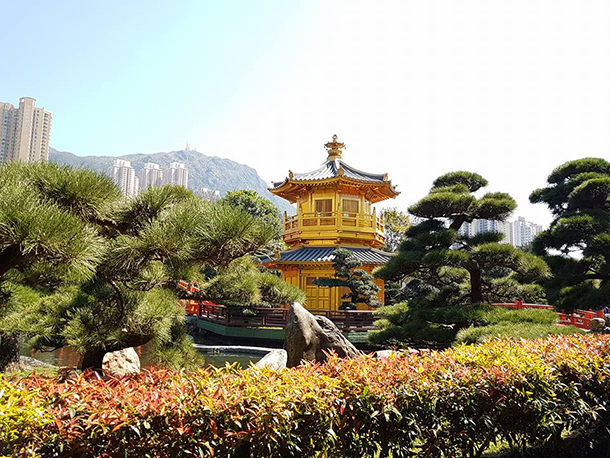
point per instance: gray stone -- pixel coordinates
(597, 324)
(308, 337)
(25, 363)
(121, 363)
(32, 362)
(275, 359)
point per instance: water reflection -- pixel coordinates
(67, 357)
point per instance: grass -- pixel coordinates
(463, 324)
(524, 330)
(524, 324)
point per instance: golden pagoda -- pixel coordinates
(334, 210)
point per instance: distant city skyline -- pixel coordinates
(151, 175)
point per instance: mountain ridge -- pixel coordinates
(211, 172)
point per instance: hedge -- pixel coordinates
(452, 403)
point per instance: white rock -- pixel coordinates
(121, 363)
(386, 354)
(275, 359)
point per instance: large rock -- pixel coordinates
(121, 363)
(275, 359)
(308, 337)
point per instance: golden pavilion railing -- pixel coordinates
(336, 220)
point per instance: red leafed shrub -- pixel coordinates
(452, 403)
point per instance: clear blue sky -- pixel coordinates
(137, 76)
(508, 89)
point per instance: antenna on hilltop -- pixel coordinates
(187, 147)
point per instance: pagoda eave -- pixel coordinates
(290, 189)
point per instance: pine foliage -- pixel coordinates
(448, 268)
(348, 274)
(241, 283)
(109, 264)
(577, 244)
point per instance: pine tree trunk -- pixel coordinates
(9, 350)
(92, 359)
(476, 287)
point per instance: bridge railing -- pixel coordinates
(578, 318)
(263, 317)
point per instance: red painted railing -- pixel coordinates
(578, 318)
(346, 320)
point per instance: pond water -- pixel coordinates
(66, 357)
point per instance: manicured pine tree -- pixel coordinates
(577, 244)
(45, 215)
(362, 288)
(449, 268)
(133, 252)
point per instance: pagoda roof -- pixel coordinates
(326, 254)
(336, 169)
(333, 168)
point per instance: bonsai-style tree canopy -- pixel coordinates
(128, 253)
(45, 222)
(577, 244)
(456, 266)
(362, 289)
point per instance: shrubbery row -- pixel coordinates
(452, 403)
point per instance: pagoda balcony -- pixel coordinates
(317, 227)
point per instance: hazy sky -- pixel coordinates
(509, 89)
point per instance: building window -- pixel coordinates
(324, 207)
(350, 207)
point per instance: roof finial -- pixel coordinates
(334, 148)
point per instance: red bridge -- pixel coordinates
(263, 317)
(578, 318)
(346, 320)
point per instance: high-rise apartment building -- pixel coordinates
(24, 132)
(151, 176)
(516, 233)
(525, 231)
(124, 175)
(177, 174)
(481, 226)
